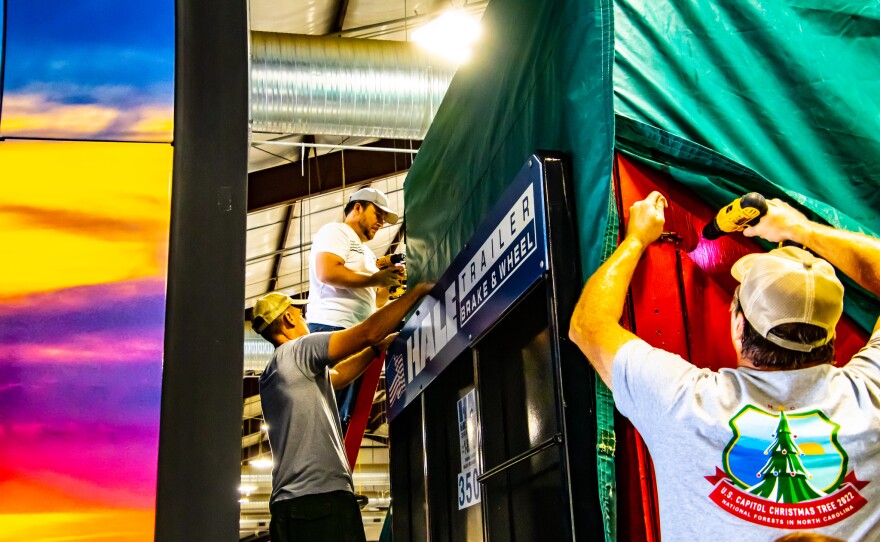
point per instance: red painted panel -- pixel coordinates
(680, 301)
(354, 435)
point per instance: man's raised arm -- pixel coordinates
(375, 328)
(855, 254)
(595, 324)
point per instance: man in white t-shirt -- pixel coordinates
(786, 441)
(345, 286)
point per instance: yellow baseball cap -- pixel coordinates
(271, 306)
(789, 285)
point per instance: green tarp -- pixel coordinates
(780, 97)
(727, 97)
(539, 81)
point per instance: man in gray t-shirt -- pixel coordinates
(312, 491)
(786, 441)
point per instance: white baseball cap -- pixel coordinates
(271, 306)
(377, 198)
(789, 285)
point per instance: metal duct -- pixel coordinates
(344, 86)
(257, 351)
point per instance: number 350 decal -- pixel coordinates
(468, 488)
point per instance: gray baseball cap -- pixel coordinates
(377, 198)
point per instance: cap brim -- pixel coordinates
(390, 216)
(742, 266)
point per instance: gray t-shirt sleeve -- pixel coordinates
(867, 360)
(648, 382)
(312, 352)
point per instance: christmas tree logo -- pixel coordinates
(786, 469)
(784, 477)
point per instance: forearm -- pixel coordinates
(604, 294)
(382, 297)
(376, 328)
(595, 326)
(386, 319)
(347, 370)
(855, 254)
(342, 277)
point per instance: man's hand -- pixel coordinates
(646, 219)
(386, 342)
(781, 223)
(386, 278)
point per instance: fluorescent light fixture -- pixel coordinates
(450, 35)
(261, 463)
(247, 490)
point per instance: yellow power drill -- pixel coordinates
(394, 259)
(742, 212)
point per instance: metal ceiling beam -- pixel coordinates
(339, 20)
(287, 183)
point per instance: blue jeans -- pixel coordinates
(347, 396)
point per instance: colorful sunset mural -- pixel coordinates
(91, 69)
(84, 237)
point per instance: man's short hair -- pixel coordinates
(350, 206)
(768, 355)
(274, 328)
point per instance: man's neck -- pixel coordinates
(357, 231)
(749, 364)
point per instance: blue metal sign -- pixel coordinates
(505, 256)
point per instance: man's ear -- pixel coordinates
(290, 320)
(737, 326)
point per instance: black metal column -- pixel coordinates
(200, 433)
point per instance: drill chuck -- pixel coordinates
(739, 214)
(391, 259)
(394, 259)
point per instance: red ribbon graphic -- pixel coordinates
(828, 510)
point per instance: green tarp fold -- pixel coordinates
(539, 81)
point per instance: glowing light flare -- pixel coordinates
(451, 35)
(261, 463)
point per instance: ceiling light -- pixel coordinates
(264, 427)
(450, 35)
(261, 463)
(247, 490)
